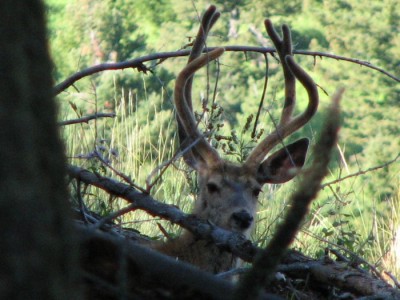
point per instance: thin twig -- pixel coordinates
(344, 249)
(87, 119)
(113, 215)
(213, 106)
(138, 63)
(233, 272)
(362, 172)
(164, 166)
(118, 173)
(253, 134)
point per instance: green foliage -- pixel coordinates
(357, 214)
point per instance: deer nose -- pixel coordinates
(242, 219)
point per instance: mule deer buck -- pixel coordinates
(228, 192)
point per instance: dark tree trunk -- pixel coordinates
(36, 260)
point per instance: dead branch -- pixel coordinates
(125, 177)
(87, 118)
(361, 172)
(150, 182)
(340, 257)
(337, 274)
(233, 242)
(138, 63)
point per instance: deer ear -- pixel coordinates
(284, 164)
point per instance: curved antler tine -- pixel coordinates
(185, 114)
(284, 48)
(210, 17)
(292, 70)
(312, 91)
(208, 20)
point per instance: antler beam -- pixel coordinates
(187, 125)
(287, 124)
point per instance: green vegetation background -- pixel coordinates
(359, 214)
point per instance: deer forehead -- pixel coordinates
(232, 177)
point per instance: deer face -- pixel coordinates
(228, 193)
(228, 198)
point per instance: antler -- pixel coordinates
(287, 124)
(187, 126)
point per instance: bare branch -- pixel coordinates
(338, 274)
(87, 118)
(233, 242)
(150, 182)
(264, 91)
(394, 279)
(113, 216)
(138, 62)
(361, 172)
(353, 255)
(126, 178)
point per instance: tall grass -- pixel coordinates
(134, 144)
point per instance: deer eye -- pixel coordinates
(256, 192)
(212, 187)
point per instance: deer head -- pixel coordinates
(228, 192)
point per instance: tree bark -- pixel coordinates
(36, 259)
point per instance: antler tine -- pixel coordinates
(185, 114)
(208, 20)
(312, 91)
(284, 48)
(292, 70)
